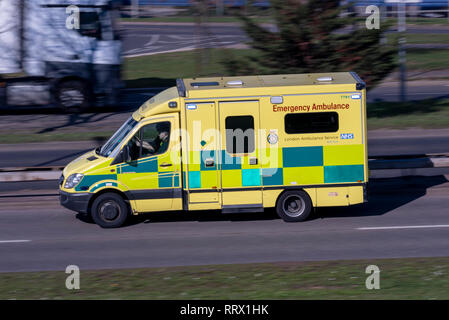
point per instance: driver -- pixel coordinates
(160, 143)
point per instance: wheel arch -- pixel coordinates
(58, 81)
(108, 190)
(294, 212)
(312, 197)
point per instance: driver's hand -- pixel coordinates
(147, 146)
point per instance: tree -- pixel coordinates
(314, 36)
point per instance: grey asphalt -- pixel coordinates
(153, 38)
(141, 39)
(57, 238)
(42, 158)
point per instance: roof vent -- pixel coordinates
(324, 79)
(235, 83)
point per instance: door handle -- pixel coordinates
(209, 163)
(166, 164)
(253, 161)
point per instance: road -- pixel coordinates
(154, 38)
(37, 234)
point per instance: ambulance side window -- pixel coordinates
(316, 122)
(155, 138)
(150, 140)
(240, 134)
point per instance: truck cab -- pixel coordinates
(59, 53)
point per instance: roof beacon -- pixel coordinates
(324, 79)
(235, 83)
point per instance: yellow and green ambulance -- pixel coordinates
(235, 144)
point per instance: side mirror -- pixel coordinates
(123, 156)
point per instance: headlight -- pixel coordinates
(73, 180)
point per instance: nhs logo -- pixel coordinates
(346, 136)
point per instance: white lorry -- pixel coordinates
(49, 58)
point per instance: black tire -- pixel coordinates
(294, 206)
(109, 210)
(72, 96)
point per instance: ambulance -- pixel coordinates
(291, 142)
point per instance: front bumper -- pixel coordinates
(78, 202)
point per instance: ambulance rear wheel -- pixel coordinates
(109, 210)
(294, 206)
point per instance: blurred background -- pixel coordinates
(80, 80)
(66, 85)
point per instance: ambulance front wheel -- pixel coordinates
(294, 206)
(109, 210)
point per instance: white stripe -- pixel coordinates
(188, 48)
(13, 241)
(405, 227)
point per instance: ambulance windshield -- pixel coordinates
(118, 137)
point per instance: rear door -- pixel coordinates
(241, 179)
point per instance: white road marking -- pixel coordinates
(405, 227)
(154, 38)
(152, 53)
(412, 93)
(13, 241)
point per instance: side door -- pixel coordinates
(241, 178)
(203, 154)
(153, 174)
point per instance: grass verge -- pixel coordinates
(427, 59)
(420, 38)
(422, 21)
(161, 70)
(430, 113)
(414, 278)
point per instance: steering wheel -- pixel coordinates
(135, 141)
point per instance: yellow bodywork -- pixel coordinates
(199, 172)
